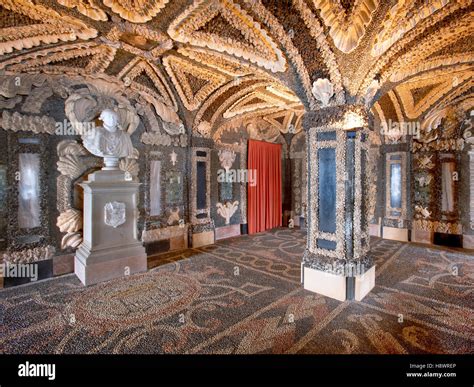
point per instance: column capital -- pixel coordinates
(346, 117)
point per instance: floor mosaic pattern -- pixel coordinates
(243, 295)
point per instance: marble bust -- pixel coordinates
(108, 141)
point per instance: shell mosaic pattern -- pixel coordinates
(393, 42)
(246, 314)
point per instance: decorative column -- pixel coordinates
(468, 237)
(243, 188)
(395, 224)
(335, 262)
(202, 230)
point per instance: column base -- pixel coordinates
(339, 287)
(296, 221)
(303, 223)
(203, 239)
(92, 267)
(422, 236)
(229, 231)
(396, 234)
(374, 229)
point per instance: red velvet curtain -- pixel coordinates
(264, 197)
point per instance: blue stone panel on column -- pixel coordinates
(325, 244)
(327, 190)
(396, 185)
(201, 186)
(327, 136)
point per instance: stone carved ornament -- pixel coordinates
(425, 162)
(31, 91)
(323, 91)
(227, 210)
(36, 124)
(468, 130)
(173, 158)
(70, 221)
(422, 211)
(174, 133)
(438, 131)
(70, 167)
(437, 226)
(204, 129)
(226, 158)
(119, 117)
(82, 107)
(424, 180)
(108, 141)
(130, 165)
(174, 216)
(30, 255)
(87, 103)
(261, 130)
(114, 214)
(371, 91)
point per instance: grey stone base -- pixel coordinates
(339, 287)
(203, 239)
(232, 230)
(394, 233)
(104, 265)
(422, 236)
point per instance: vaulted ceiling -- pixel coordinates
(214, 61)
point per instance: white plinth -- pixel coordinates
(396, 234)
(335, 286)
(109, 251)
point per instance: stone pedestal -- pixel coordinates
(229, 231)
(394, 233)
(202, 239)
(422, 236)
(339, 286)
(336, 262)
(374, 229)
(110, 248)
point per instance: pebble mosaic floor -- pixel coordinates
(243, 295)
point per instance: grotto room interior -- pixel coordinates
(236, 177)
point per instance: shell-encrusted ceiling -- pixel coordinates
(346, 28)
(36, 25)
(213, 62)
(193, 83)
(224, 26)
